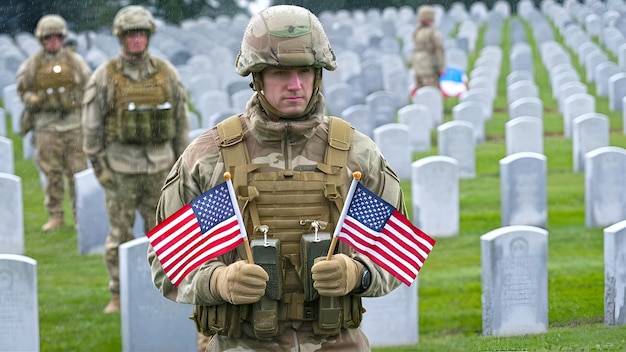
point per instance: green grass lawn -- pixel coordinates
(73, 288)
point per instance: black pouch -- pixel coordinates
(312, 245)
(266, 254)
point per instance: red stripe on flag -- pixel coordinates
(360, 238)
(202, 257)
(205, 246)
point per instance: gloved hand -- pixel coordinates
(336, 277)
(33, 101)
(239, 282)
(102, 171)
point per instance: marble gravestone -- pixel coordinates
(19, 307)
(615, 274)
(150, 322)
(11, 214)
(393, 319)
(514, 281)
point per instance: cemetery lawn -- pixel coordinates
(73, 288)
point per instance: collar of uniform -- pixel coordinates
(295, 130)
(130, 66)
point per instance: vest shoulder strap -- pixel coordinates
(234, 152)
(339, 137)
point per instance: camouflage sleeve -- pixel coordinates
(439, 56)
(93, 112)
(380, 178)
(25, 79)
(83, 69)
(186, 180)
(181, 140)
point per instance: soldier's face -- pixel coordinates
(135, 42)
(53, 42)
(288, 90)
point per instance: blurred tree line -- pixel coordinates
(22, 15)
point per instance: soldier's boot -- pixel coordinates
(114, 305)
(54, 223)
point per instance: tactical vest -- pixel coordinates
(54, 81)
(283, 212)
(141, 112)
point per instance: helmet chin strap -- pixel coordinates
(271, 110)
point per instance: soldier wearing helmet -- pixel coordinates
(135, 127)
(291, 168)
(50, 84)
(428, 60)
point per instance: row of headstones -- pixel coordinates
(608, 76)
(523, 179)
(514, 261)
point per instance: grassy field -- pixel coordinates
(73, 288)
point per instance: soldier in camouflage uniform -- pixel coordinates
(50, 84)
(135, 127)
(291, 168)
(428, 60)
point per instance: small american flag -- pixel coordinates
(378, 230)
(209, 226)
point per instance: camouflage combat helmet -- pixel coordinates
(426, 13)
(50, 24)
(133, 17)
(284, 35)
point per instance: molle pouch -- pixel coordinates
(266, 254)
(330, 316)
(312, 245)
(67, 99)
(51, 101)
(135, 125)
(163, 127)
(265, 318)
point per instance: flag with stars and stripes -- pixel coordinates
(209, 226)
(379, 231)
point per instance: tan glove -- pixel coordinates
(102, 171)
(239, 282)
(336, 277)
(33, 101)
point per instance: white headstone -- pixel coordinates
(150, 322)
(524, 134)
(392, 320)
(590, 131)
(6, 156)
(392, 140)
(19, 311)
(523, 190)
(514, 281)
(605, 190)
(11, 214)
(418, 118)
(435, 195)
(615, 274)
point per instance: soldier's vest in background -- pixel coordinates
(54, 81)
(290, 216)
(142, 112)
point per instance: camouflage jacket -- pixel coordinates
(428, 52)
(97, 105)
(201, 167)
(57, 119)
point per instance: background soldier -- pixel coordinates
(291, 167)
(50, 84)
(428, 61)
(135, 125)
